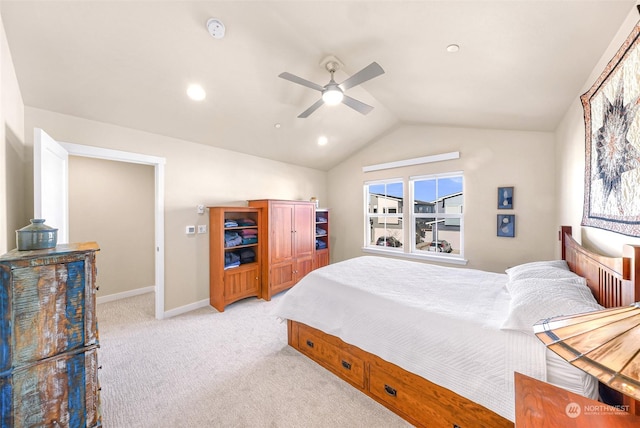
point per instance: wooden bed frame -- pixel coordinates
(615, 281)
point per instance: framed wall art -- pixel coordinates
(612, 143)
(507, 225)
(505, 198)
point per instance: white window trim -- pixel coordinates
(399, 252)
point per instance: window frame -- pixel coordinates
(443, 215)
(409, 216)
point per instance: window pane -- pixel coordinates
(424, 196)
(385, 198)
(395, 192)
(375, 192)
(430, 193)
(386, 232)
(425, 232)
(449, 186)
(435, 235)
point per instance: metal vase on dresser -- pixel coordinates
(49, 338)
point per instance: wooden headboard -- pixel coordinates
(614, 281)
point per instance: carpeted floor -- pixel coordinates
(211, 369)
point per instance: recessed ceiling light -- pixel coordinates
(277, 126)
(453, 48)
(322, 140)
(196, 92)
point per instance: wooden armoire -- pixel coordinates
(287, 237)
(49, 338)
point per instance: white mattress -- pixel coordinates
(438, 322)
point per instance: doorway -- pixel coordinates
(115, 155)
(112, 203)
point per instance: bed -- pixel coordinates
(408, 334)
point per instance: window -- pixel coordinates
(436, 218)
(384, 204)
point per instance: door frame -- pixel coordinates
(158, 164)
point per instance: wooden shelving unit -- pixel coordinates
(322, 238)
(234, 255)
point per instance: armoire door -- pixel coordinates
(304, 227)
(281, 230)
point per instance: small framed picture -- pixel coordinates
(507, 225)
(505, 198)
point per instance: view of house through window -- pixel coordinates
(436, 218)
(437, 213)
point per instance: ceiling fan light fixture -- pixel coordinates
(332, 96)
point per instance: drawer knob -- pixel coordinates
(309, 343)
(390, 391)
(346, 365)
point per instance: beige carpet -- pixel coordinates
(211, 369)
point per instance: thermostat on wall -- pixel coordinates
(191, 230)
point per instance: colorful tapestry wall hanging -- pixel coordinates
(612, 134)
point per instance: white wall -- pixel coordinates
(194, 174)
(12, 153)
(570, 153)
(489, 159)
(113, 203)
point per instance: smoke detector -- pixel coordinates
(215, 28)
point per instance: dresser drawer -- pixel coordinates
(61, 391)
(52, 311)
(332, 357)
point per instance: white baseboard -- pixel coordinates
(168, 314)
(186, 308)
(125, 294)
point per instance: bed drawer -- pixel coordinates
(332, 357)
(399, 394)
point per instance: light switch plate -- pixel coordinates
(202, 228)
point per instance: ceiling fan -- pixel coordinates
(332, 92)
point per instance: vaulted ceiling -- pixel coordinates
(520, 65)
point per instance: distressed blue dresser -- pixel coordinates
(49, 338)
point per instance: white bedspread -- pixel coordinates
(440, 323)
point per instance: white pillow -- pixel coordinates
(535, 299)
(543, 269)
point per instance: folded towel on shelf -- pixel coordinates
(246, 222)
(232, 239)
(247, 256)
(231, 259)
(230, 223)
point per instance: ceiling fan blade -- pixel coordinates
(369, 72)
(311, 109)
(358, 106)
(300, 81)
